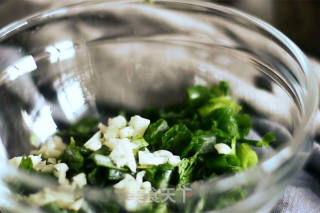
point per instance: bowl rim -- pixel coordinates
(311, 89)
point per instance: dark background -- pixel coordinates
(298, 19)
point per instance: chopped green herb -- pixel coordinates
(202, 141)
(97, 176)
(186, 169)
(54, 208)
(154, 133)
(176, 138)
(159, 176)
(81, 131)
(225, 121)
(217, 103)
(220, 90)
(26, 164)
(268, 138)
(198, 95)
(248, 157)
(223, 163)
(73, 157)
(198, 139)
(244, 124)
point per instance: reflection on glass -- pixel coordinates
(3, 154)
(40, 122)
(273, 163)
(72, 100)
(4, 31)
(61, 51)
(22, 66)
(55, 12)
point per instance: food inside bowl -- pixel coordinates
(139, 155)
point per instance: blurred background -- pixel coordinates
(298, 19)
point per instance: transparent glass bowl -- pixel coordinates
(97, 57)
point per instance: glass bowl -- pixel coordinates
(97, 57)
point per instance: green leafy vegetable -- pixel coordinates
(244, 124)
(225, 121)
(202, 141)
(247, 156)
(153, 114)
(186, 169)
(73, 157)
(160, 208)
(207, 131)
(54, 208)
(220, 90)
(198, 95)
(176, 138)
(154, 133)
(268, 138)
(26, 164)
(223, 163)
(81, 131)
(217, 103)
(97, 176)
(196, 205)
(159, 176)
